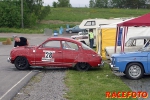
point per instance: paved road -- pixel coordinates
(12, 80)
(137, 85)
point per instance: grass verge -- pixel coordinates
(93, 84)
(4, 39)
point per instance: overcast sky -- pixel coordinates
(74, 3)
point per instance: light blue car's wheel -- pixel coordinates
(134, 71)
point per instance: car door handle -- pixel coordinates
(59, 51)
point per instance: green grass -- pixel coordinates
(4, 39)
(93, 84)
(72, 15)
(78, 14)
(21, 30)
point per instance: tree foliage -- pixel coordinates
(62, 3)
(33, 11)
(130, 4)
(92, 4)
(55, 4)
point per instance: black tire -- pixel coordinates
(134, 71)
(21, 63)
(70, 31)
(82, 66)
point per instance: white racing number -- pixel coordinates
(48, 56)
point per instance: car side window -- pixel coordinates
(76, 27)
(90, 23)
(129, 43)
(69, 45)
(52, 44)
(139, 42)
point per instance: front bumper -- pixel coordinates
(113, 68)
(101, 65)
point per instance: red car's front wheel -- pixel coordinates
(21, 63)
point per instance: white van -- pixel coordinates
(94, 24)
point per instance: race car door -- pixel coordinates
(70, 53)
(49, 54)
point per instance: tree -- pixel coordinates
(44, 12)
(64, 3)
(55, 4)
(101, 3)
(10, 14)
(130, 4)
(33, 11)
(92, 3)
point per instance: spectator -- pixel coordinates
(20, 41)
(91, 38)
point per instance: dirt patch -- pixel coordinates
(58, 22)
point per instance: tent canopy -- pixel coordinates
(143, 20)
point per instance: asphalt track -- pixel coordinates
(11, 79)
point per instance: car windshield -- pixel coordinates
(146, 48)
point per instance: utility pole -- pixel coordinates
(22, 24)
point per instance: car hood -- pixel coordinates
(23, 47)
(75, 36)
(131, 54)
(69, 29)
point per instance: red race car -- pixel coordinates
(56, 51)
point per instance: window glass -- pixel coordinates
(52, 44)
(139, 42)
(135, 42)
(69, 45)
(86, 47)
(77, 27)
(93, 22)
(90, 23)
(129, 43)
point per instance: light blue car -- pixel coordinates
(133, 64)
(74, 29)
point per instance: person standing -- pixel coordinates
(20, 41)
(91, 38)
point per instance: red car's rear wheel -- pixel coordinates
(82, 66)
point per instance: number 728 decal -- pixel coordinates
(48, 56)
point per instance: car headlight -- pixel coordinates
(113, 60)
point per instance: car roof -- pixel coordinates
(63, 39)
(140, 37)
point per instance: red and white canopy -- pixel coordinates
(143, 20)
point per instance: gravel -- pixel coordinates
(47, 85)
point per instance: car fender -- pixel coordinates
(122, 63)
